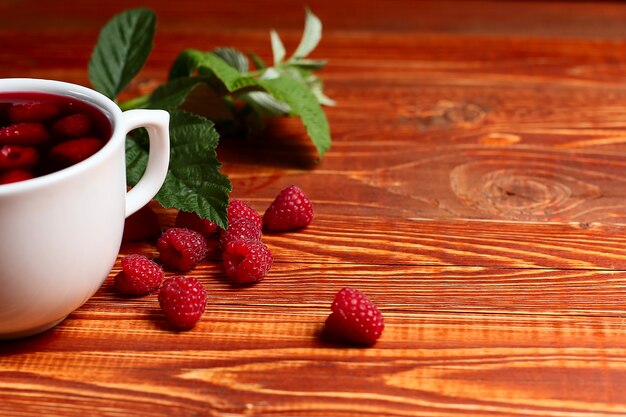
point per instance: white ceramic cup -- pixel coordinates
(61, 232)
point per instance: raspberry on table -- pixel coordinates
(239, 208)
(291, 209)
(354, 318)
(240, 228)
(247, 261)
(139, 275)
(142, 225)
(73, 126)
(182, 301)
(181, 249)
(192, 221)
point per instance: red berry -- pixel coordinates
(73, 151)
(239, 208)
(17, 157)
(247, 261)
(15, 175)
(238, 229)
(354, 318)
(290, 210)
(24, 134)
(182, 301)
(33, 112)
(190, 220)
(181, 249)
(139, 275)
(73, 126)
(142, 225)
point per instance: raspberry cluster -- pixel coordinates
(246, 260)
(45, 133)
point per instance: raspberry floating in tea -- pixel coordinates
(42, 133)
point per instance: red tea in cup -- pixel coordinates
(42, 133)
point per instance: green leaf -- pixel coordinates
(258, 61)
(310, 37)
(206, 102)
(184, 65)
(136, 156)
(193, 182)
(171, 95)
(234, 58)
(311, 64)
(265, 104)
(123, 47)
(317, 89)
(191, 60)
(278, 49)
(304, 104)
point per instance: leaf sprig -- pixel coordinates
(206, 92)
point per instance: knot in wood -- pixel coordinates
(446, 114)
(519, 193)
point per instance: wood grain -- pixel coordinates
(475, 191)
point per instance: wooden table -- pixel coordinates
(475, 191)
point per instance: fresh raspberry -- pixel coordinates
(142, 225)
(139, 276)
(239, 208)
(247, 261)
(290, 210)
(15, 175)
(33, 112)
(181, 249)
(73, 151)
(17, 157)
(73, 126)
(182, 301)
(354, 317)
(190, 220)
(24, 134)
(238, 229)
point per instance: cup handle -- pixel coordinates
(156, 123)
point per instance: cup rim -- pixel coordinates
(88, 95)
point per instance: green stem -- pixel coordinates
(134, 103)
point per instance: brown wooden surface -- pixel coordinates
(475, 191)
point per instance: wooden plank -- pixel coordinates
(390, 242)
(432, 364)
(304, 289)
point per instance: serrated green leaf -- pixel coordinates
(193, 181)
(304, 104)
(210, 63)
(299, 73)
(171, 95)
(123, 47)
(265, 104)
(234, 58)
(310, 37)
(232, 79)
(278, 49)
(136, 156)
